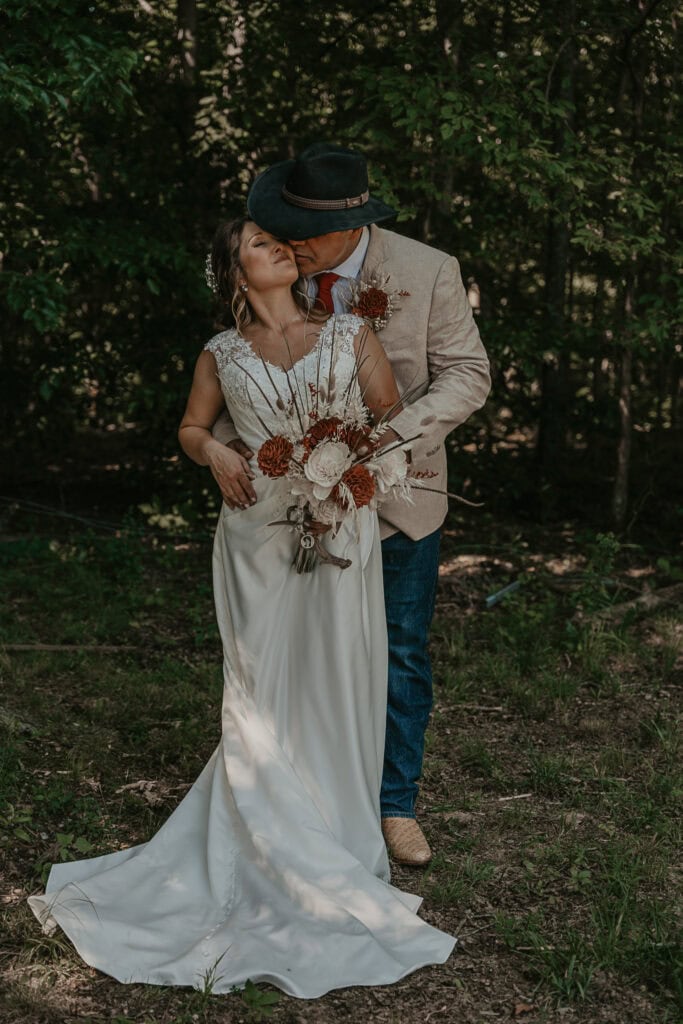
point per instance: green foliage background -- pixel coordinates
(536, 141)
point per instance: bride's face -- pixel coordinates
(267, 262)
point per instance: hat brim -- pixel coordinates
(270, 210)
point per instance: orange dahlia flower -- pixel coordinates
(320, 431)
(361, 484)
(372, 304)
(274, 456)
(357, 438)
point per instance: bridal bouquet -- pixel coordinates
(331, 456)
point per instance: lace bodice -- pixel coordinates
(252, 388)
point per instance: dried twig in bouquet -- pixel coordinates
(330, 452)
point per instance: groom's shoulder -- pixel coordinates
(406, 251)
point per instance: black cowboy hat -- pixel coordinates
(325, 189)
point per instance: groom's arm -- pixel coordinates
(238, 476)
(459, 378)
(223, 429)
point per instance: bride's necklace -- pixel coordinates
(276, 338)
(283, 327)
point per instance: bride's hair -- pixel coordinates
(227, 270)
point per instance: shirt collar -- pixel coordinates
(351, 266)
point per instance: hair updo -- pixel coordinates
(227, 270)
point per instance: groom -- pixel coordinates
(321, 204)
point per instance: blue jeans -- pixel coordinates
(410, 575)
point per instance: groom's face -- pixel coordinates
(324, 252)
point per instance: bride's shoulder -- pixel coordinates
(221, 339)
(349, 323)
(221, 345)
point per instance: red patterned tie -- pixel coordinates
(324, 298)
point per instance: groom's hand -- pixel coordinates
(390, 437)
(230, 467)
(241, 448)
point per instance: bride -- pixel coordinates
(273, 867)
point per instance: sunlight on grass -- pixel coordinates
(550, 794)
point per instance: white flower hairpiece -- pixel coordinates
(209, 275)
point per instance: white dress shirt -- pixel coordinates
(348, 271)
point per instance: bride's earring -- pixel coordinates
(240, 305)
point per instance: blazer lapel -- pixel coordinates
(376, 256)
(377, 262)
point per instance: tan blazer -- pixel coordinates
(431, 341)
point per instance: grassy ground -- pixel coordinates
(550, 789)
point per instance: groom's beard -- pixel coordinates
(304, 267)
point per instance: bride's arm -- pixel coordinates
(377, 381)
(230, 470)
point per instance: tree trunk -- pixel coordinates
(187, 42)
(449, 18)
(599, 364)
(555, 377)
(621, 479)
(675, 391)
(631, 83)
(620, 492)
(187, 38)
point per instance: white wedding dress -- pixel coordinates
(273, 867)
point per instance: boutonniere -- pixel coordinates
(372, 300)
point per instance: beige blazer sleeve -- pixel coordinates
(458, 378)
(223, 429)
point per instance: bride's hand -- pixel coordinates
(232, 473)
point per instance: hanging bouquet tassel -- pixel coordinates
(326, 556)
(306, 556)
(310, 549)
